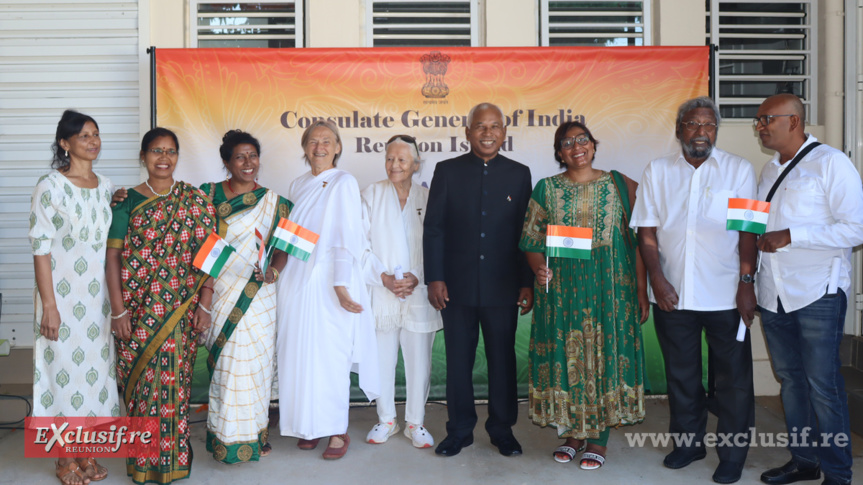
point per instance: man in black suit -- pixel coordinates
(477, 276)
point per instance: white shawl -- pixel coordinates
(396, 238)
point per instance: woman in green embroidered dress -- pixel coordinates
(157, 308)
(242, 341)
(586, 357)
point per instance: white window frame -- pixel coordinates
(370, 17)
(809, 55)
(299, 22)
(645, 24)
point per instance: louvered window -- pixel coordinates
(596, 23)
(259, 24)
(448, 23)
(765, 48)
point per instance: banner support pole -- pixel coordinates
(152, 51)
(711, 73)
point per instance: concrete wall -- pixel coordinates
(338, 23)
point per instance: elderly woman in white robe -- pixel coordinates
(325, 324)
(394, 209)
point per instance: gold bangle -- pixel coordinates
(275, 274)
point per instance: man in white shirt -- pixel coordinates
(816, 217)
(701, 277)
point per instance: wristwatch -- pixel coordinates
(747, 278)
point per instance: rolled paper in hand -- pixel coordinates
(741, 331)
(833, 284)
(397, 271)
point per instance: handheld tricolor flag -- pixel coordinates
(747, 215)
(262, 250)
(213, 255)
(568, 242)
(294, 239)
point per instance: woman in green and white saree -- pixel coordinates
(242, 341)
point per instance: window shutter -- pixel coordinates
(765, 48)
(259, 24)
(400, 23)
(596, 23)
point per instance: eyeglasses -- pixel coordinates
(764, 119)
(571, 141)
(160, 151)
(694, 126)
(405, 138)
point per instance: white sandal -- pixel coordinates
(590, 456)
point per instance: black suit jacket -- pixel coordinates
(472, 227)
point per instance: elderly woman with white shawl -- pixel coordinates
(325, 326)
(394, 209)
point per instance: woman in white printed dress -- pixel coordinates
(73, 351)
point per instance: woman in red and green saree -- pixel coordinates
(242, 341)
(586, 360)
(157, 306)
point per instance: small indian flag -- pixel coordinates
(294, 239)
(262, 250)
(747, 215)
(213, 255)
(568, 242)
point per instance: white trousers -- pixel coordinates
(416, 352)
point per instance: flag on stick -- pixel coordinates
(568, 242)
(213, 255)
(294, 239)
(747, 215)
(262, 251)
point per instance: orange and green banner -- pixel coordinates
(627, 96)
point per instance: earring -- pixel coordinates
(67, 153)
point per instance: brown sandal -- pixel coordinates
(308, 444)
(99, 472)
(65, 474)
(335, 453)
(266, 449)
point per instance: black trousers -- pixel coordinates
(461, 325)
(679, 335)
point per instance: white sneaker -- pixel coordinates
(381, 432)
(420, 437)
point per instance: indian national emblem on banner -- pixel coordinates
(434, 67)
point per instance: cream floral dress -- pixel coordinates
(76, 375)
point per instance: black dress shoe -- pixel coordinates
(832, 481)
(728, 472)
(452, 445)
(682, 457)
(790, 473)
(507, 446)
